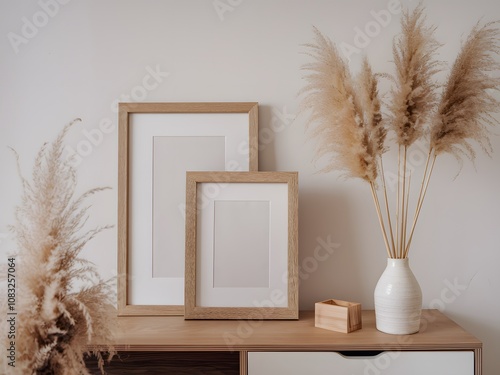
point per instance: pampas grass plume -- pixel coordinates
(64, 308)
(466, 108)
(345, 132)
(351, 130)
(414, 94)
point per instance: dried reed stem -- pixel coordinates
(380, 219)
(419, 199)
(419, 205)
(403, 198)
(406, 215)
(398, 203)
(387, 210)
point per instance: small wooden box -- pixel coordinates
(336, 315)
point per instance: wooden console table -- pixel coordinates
(172, 345)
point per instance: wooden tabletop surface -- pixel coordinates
(173, 333)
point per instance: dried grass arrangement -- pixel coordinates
(63, 305)
(352, 130)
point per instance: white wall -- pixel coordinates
(91, 52)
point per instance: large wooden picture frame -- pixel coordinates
(241, 245)
(158, 143)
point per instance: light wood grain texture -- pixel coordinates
(122, 209)
(478, 361)
(243, 362)
(125, 109)
(192, 107)
(192, 311)
(174, 334)
(253, 137)
(336, 315)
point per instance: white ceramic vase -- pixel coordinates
(398, 299)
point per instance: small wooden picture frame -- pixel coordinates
(241, 245)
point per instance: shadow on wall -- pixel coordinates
(272, 122)
(326, 251)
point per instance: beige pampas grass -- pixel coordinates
(371, 106)
(466, 106)
(63, 305)
(346, 117)
(337, 113)
(414, 95)
(412, 102)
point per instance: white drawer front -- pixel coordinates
(386, 363)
